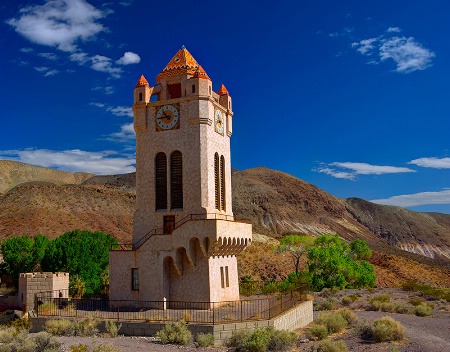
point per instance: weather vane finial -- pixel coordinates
(183, 47)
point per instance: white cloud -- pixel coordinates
(337, 174)
(365, 46)
(411, 200)
(59, 23)
(408, 55)
(436, 163)
(335, 169)
(49, 56)
(80, 57)
(46, 71)
(26, 50)
(126, 134)
(394, 30)
(106, 90)
(115, 110)
(103, 162)
(129, 58)
(104, 64)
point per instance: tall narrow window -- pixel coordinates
(227, 280)
(140, 96)
(160, 181)
(222, 279)
(176, 180)
(222, 183)
(217, 180)
(193, 88)
(134, 279)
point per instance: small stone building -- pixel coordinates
(185, 237)
(55, 284)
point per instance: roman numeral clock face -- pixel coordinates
(167, 117)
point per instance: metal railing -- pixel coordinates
(179, 223)
(250, 309)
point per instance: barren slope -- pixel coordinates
(52, 210)
(13, 173)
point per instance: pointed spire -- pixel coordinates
(183, 63)
(223, 90)
(142, 82)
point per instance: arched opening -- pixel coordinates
(160, 181)
(217, 180)
(222, 184)
(176, 180)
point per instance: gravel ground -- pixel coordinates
(424, 334)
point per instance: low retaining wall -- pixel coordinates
(294, 318)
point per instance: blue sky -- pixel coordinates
(351, 96)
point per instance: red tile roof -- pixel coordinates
(183, 63)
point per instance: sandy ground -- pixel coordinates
(424, 334)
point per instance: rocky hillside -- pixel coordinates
(13, 173)
(275, 202)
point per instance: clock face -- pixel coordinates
(167, 117)
(219, 122)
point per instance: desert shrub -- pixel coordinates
(410, 285)
(415, 301)
(330, 346)
(346, 301)
(45, 342)
(389, 307)
(13, 340)
(280, 340)
(260, 340)
(348, 315)
(423, 310)
(7, 335)
(60, 327)
(364, 330)
(79, 348)
(86, 326)
(387, 329)
(270, 287)
(21, 324)
(334, 322)
(380, 298)
(329, 304)
(176, 333)
(47, 308)
(112, 328)
(205, 340)
(317, 332)
(257, 341)
(106, 347)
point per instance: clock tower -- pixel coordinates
(185, 237)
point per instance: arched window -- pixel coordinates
(222, 183)
(160, 181)
(217, 180)
(176, 180)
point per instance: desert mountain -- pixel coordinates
(13, 173)
(53, 202)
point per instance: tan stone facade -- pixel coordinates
(185, 237)
(32, 283)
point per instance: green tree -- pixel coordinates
(296, 246)
(23, 254)
(333, 263)
(81, 253)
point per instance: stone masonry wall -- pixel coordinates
(32, 283)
